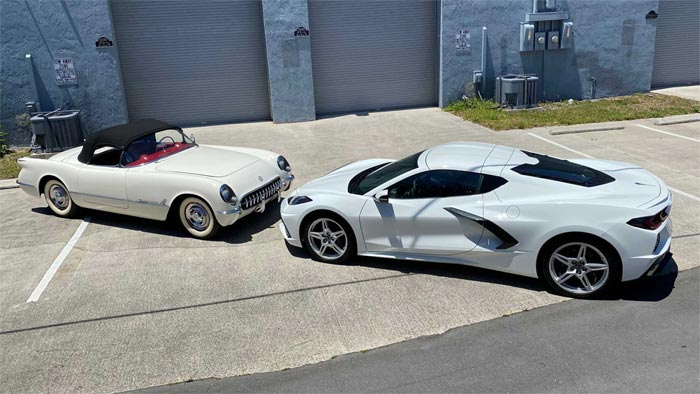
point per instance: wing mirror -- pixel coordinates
(382, 196)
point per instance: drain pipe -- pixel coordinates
(534, 6)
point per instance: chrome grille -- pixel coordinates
(259, 195)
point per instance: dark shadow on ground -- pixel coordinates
(240, 232)
(651, 289)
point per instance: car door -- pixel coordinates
(102, 186)
(434, 212)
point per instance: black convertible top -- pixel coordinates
(121, 136)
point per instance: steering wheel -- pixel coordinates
(158, 146)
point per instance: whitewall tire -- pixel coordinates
(198, 218)
(59, 199)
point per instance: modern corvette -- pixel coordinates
(580, 225)
(151, 169)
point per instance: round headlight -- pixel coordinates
(227, 194)
(283, 164)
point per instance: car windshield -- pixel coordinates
(375, 176)
(155, 146)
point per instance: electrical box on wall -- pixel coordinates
(552, 40)
(540, 41)
(527, 37)
(546, 30)
(566, 40)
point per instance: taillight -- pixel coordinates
(651, 222)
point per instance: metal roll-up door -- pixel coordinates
(677, 48)
(192, 62)
(371, 55)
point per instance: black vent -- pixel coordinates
(259, 195)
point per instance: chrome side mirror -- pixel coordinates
(382, 196)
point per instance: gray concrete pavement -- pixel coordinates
(137, 303)
(688, 92)
(626, 345)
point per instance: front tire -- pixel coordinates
(59, 199)
(580, 266)
(328, 238)
(197, 218)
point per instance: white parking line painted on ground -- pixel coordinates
(673, 189)
(58, 261)
(666, 132)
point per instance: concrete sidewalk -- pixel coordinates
(688, 92)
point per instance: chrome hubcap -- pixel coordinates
(579, 268)
(327, 238)
(197, 216)
(59, 197)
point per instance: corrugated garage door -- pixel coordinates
(370, 55)
(677, 49)
(190, 62)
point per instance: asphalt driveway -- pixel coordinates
(136, 303)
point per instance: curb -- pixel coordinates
(677, 119)
(7, 184)
(584, 128)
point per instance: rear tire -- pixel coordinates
(579, 266)
(59, 199)
(328, 238)
(197, 218)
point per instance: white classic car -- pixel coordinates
(151, 169)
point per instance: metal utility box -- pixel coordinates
(516, 91)
(540, 41)
(58, 130)
(552, 40)
(527, 37)
(566, 40)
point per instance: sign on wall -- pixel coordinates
(464, 43)
(65, 71)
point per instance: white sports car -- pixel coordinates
(581, 225)
(151, 169)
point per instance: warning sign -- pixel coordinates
(65, 71)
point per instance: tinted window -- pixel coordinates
(491, 182)
(364, 182)
(437, 183)
(563, 171)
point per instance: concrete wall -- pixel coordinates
(613, 43)
(47, 29)
(289, 61)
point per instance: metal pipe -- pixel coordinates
(534, 6)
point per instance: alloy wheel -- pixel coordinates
(579, 268)
(327, 239)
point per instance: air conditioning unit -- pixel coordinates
(516, 91)
(58, 130)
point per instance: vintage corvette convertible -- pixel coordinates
(151, 169)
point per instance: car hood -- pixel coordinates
(337, 180)
(206, 161)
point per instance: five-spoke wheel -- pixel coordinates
(197, 218)
(579, 268)
(329, 239)
(58, 198)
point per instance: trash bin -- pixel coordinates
(57, 130)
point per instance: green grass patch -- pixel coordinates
(637, 106)
(8, 163)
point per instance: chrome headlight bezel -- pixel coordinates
(227, 194)
(283, 164)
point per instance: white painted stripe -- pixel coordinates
(673, 189)
(562, 146)
(58, 261)
(666, 132)
(682, 193)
